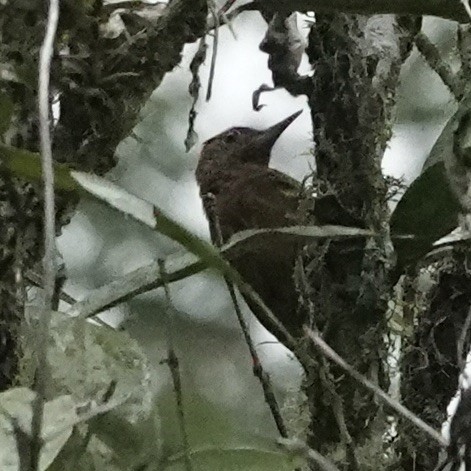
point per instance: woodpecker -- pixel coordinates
(234, 168)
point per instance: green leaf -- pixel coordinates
(85, 359)
(429, 209)
(297, 234)
(144, 212)
(16, 406)
(6, 111)
(235, 458)
(89, 362)
(180, 266)
(27, 165)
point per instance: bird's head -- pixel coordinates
(237, 146)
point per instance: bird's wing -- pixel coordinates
(262, 198)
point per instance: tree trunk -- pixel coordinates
(356, 63)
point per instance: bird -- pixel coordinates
(233, 168)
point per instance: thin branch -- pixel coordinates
(466, 7)
(22, 439)
(313, 456)
(37, 280)
(436, 62)
(226, 6)
(460, 351)
(258, 370)
(406, 413)
(173, 364)
(180, 266)
(324, 369)
(338, 410)
(45, 59)
(212, 68)
(194, 88)
(293, 446)
(224, 18)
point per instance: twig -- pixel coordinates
(466, 7)
(324, 370)
(212, 68)
(22, 440)
(91, 411)
(460, 352)
(58, 285)
(226, 18)
(301, 448)
(293, 446)
(194, 89)
(258, 370)
(433, 58)
(226, 6)
(406, 413)
(180, 266)
(36, 280)
(339, 414)
(447, 9)
(45, 58)
(173, 364)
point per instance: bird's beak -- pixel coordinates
(269, 136)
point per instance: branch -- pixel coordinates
(449, 9)
(45, 58)
(132, 65)
(174, 366)
(180, 266)
(215, 229)
(432, 56)
(49, 263)
(406, 413)
(312, 456)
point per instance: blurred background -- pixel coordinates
(220, 392)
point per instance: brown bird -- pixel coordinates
(233, 167)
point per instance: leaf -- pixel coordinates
(116, 197)
(301, 233)
(234, 459)
(85, 359)
(180, 266)
(429, 209)
(6, 112)
(15, 421)
(144, 212)
(91, 362)
(27, 165)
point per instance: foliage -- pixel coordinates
(100, 411)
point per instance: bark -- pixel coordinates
(434, 358)
(357, 62)
(102, 82)
(447, 9)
